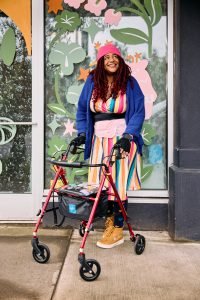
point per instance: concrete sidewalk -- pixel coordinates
(166, 270)
(21, 277)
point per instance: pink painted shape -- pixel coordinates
(112, 17)
(144, 80)
(95, 7)
(74, 3)
(69, 128)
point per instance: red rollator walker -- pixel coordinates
(73, 203)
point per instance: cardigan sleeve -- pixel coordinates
(81, 115)
(137, 110)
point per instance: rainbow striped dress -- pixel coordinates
(125, 172)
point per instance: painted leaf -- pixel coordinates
(57, 108)
(66, 55)
(146, 172)
(73, 158)
(73, 93)
(7, 131)
(68, 21)
(154, 9)
(70, 175)
(55, 145)
(131, 36)
(81, 172)
(8, 47)
(76, 53)
(81, 156)
(148, 133)
(139, 5)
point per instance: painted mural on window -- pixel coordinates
(15, 96)
(75, 29)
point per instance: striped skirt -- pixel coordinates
(125, 172)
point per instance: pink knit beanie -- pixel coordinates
(109, 48)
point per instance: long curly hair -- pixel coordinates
(101, 83)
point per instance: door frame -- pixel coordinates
(162, 196)
(23, 207)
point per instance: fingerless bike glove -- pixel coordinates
(79, 140)
(124, 143)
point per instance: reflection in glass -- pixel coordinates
(16, 162)
(146, 57)
(15, 106)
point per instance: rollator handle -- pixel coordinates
(117, 151)
(67, 164)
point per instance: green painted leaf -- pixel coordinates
(139, 5)
(76, 53)
(66, 55)
(73, 158)
(7, 131)
(148, 133)
(68, 21)
(81, 156)
(57, 108)
(56, 144)
(131, 36)
(154, 9)
(8, 47)
(146, 172)
(70, 175)
(73, 93)
(81, 172)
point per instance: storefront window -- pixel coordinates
(15, 104)
(139, 29)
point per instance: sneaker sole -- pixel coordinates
(105, 246)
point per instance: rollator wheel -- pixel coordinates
(94, 273)
(139, 244)
(44, 256)
(82, 230)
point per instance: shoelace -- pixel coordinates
(109, 228)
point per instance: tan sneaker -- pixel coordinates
(115, 238)
(109, 224)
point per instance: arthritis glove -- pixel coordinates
(79, 140)
(124, 143)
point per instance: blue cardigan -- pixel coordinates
(134, 115)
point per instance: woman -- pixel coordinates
(111, 111)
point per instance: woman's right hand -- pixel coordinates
(79, 140)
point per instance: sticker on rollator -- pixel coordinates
(72, 208)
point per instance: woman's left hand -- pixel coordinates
(124, 145)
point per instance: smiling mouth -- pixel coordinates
(112, 65)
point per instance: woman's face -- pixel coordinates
(111, 63)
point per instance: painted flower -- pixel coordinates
(142, 76)
(95, 6)
(74, 3)
(68, 20)
(112, 17)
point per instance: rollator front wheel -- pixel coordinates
(139, 244)
(42, 257)
(93, 272)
